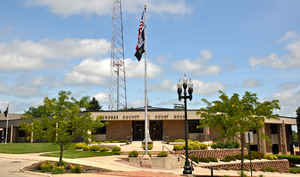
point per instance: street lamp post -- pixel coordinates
(187, 88)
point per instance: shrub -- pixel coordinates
(150, 146)
(178, 147)
(107, 141)
(45, 167)
(76, 169)
(205, 160)
(212, 159)
(80, 145)
(162, 154)
(227, 145)
(63, 163)
(104, 149)
(179, 140)
(229, 159)
(294, 170)
(95, 148)
(270, 157)
(116, 153)
(293, 159)
(86, 148)
(116, 149)
(133, 154)
(58, 169)
(269, 169)
(194, 146)
(255, 155)
(124, 141)
(203, 146)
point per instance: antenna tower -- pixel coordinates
(117, 97)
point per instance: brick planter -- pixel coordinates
(279, 165)
(216, 153)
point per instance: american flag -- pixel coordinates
(141, 39)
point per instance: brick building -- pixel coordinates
(168, 124)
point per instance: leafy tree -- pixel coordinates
(298, 124)
(295, 138)
(94, 105)
(232, 116)
(60, 120)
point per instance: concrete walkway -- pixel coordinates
(113, 163)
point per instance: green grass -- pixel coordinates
(73, 154)
(23, 148)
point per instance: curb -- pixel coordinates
(35, 173)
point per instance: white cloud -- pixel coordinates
(250, 83)
(289, 99)
(289, 60)
(102, 97)
(104, 7)
(165, 85)
(136, 69)
(198, 66)
(200, 87)
(30, 55)
(207, 88)
(92, 71)
(288, 35)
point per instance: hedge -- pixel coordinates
(293, 159)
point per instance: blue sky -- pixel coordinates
(235, 46)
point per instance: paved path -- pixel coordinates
(113, 163)
(11, 168)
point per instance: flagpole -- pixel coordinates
(6, 125)
(147, 135)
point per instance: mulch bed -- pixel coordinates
(85, 169)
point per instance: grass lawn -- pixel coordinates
(73, 154)
(23, 148)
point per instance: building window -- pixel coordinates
(274, 129)
(193, 126)
(22, 133)
(101, 130)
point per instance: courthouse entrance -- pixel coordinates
(155, 130)
(138, 130)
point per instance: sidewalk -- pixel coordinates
(112, 163)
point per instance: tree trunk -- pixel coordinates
(61, 146)
(242, 152)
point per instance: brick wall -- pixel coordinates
(119, 129)
(279, 165)
(173, 128)
(216, 153)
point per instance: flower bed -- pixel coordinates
(55, 168)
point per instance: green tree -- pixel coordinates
(232, 116)
(298, 124)
(94, 105)
(61, 120)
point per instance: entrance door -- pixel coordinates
(156, 130)
(138, 130)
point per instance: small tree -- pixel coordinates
(61, 120)
(232, 116)
(298, 124)
(94, 105)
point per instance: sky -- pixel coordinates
(51, 45)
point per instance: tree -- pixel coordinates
(232, 116)
(298, 123)
(60, 120)
(94, 105)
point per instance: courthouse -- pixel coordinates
(168, 124)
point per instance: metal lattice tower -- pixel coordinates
(118, 96)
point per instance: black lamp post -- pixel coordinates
(187, 87)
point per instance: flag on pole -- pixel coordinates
(140, 47)
(6, 112)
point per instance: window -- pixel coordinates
(193, 126)
(274, 129)
(101, 130)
